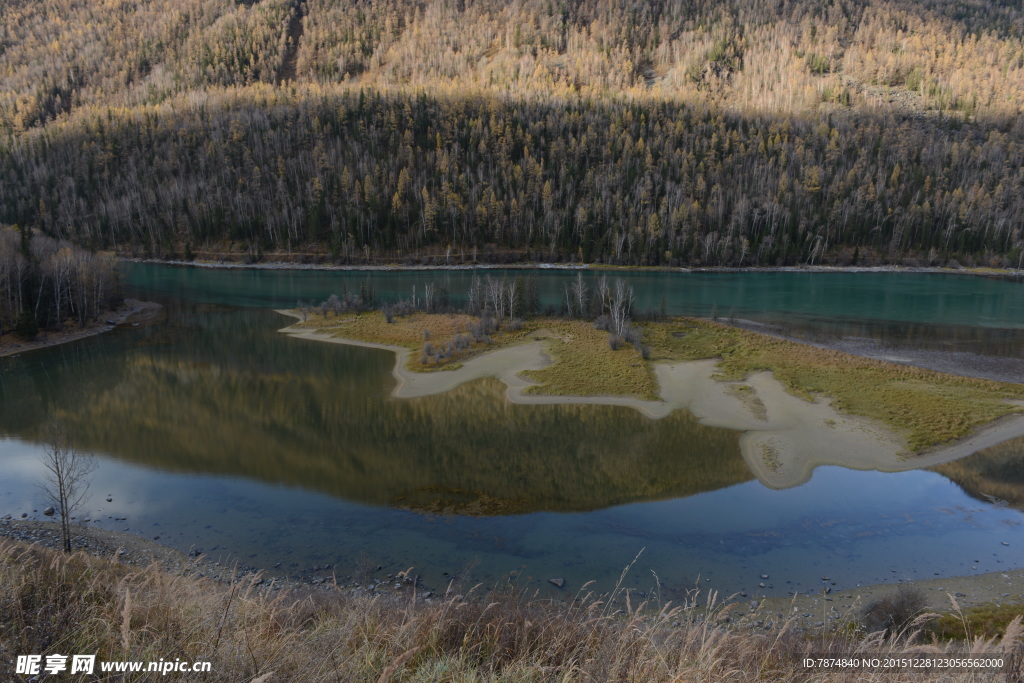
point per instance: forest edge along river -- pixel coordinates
(217, 433)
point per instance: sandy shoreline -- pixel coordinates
(133, 310)
(784, 437)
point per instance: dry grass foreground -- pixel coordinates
(57, 603)
(924, 407)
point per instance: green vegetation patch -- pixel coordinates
(373, 327)
(585, 365)
(985, 621)
(929, 407)
(448, 336)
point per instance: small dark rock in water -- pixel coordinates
(557, 582)
(24, 515)
(110, 499)
(49, 512)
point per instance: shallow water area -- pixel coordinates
(215, 432)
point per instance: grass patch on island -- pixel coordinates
(405, 331)
(447, 335)
(585, 365)
(928, 407)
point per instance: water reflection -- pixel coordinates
(221, 433)
(222, 392)
(994, 475)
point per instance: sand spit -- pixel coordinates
(785, 437)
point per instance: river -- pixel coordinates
(216, 433)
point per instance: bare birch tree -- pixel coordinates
(620, 307)
(511, 295)
(68, 472)
(603, 294)
(428, 297)
(475, 297)
(577, 294)
(495, 297)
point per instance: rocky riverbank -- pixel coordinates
(133, 312)
(129, 549)
(824, 610)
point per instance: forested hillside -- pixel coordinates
(733, 133)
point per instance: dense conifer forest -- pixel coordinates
(738, 133)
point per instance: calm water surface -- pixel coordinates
(216, 432)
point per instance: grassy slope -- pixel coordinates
(51, 602)
(928, 407)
